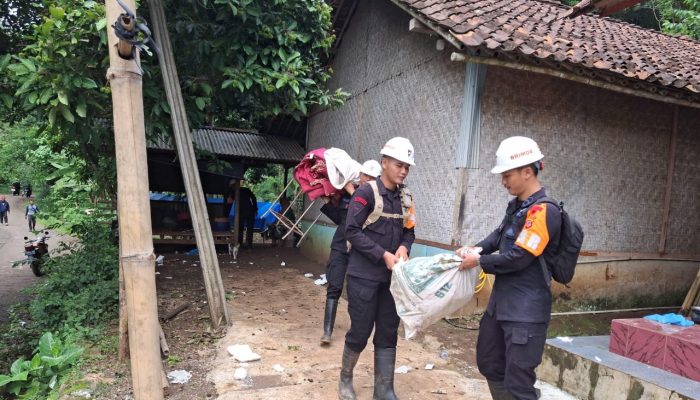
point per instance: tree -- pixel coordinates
(239, 61)
(680, 17)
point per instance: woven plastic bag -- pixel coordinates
(427, 289)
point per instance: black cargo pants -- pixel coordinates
(371, 306)
(335, 273)
(509, 352)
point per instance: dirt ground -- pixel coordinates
(13, 280)
(279, 313)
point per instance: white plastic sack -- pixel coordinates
(341, 167)
(427, 289)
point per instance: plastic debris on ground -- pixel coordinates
(439, 391)
(670, 319)
(429, 366)
(243, 353)
(321, 281)
(283, 263)
(444, 354)
(84, 393)
(402, 369)
(565, 339)
(240, 374)
(278, 368)
(308, 275)
(160, 259)
(193, 252)
(179, 376)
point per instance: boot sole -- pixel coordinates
(325, 341)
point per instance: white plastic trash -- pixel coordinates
(308, 275)
(402, 369)
(278, 368)
(243, 353)
(179, 376)
(321, 281)
(429, 366)
(240, 374)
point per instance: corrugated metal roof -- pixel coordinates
(241, 144)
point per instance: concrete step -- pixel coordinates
(584, 367)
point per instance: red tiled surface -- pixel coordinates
(534, 28)
(669, 347)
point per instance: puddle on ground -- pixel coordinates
(262, 382)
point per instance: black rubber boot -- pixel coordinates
(345, 389)
(384, 364)
(329, 320)
(498, 391)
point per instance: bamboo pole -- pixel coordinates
(135, 235)
(190, 171)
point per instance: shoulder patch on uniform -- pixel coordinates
(361, 200)
(534, 236)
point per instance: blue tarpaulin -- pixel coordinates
(261, 223)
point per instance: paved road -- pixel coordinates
(12, 280)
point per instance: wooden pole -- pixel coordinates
(190, 171)
(237, 215)
(135, 235)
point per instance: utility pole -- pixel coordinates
(135, 235)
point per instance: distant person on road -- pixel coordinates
(30, 215)
(4, 210)
(16, 187)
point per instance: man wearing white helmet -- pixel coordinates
(513, 330)
(379, 227)
(338, 259)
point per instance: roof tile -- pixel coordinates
(535, 27)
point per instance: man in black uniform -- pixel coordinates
(376, 247)
(513, 330)
(338, 259)
(248, 208)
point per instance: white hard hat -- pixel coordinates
(399, 148)
(514, 152)
(371, 168)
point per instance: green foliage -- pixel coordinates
(81, 289)
(16, 163)
(680, 17)
(239, 61)
(33, 379)
(267, 182)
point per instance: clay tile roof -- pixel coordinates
(535, 29)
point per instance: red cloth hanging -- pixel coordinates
(312, 176)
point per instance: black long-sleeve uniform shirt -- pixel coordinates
(338, 214)
(387, 234)
(521, 292)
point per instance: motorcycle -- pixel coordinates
(37, 251)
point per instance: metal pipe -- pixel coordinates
(299, 220)
(558, 314)
(308, 229)
(284, 191)
(635, 259)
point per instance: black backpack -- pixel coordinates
(565, 257)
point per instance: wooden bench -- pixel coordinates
(188, 237)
